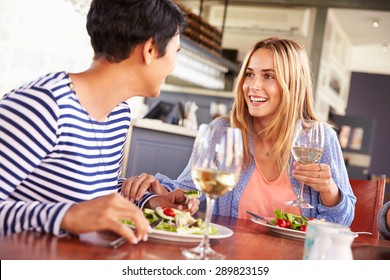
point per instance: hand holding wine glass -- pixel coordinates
(216, 166)
(307, 147)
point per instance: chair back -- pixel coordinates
(369, 199)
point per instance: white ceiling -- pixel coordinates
(368, 54)
(371, 46)
(357, 24)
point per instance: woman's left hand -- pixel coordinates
(319, 177)
(135, 187)
(175, 199)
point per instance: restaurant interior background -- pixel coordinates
(348, 43)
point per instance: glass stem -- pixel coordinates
(300, 196)
(209, 211)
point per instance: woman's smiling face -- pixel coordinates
(261, 89)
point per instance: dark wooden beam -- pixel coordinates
(317, 41)
(226, 3)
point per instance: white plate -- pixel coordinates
(280, 230)
(223, 232)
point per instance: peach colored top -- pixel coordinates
(263, 197)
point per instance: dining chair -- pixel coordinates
(369, 199)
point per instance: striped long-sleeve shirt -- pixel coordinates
(53, 154)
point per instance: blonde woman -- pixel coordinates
(274, 90)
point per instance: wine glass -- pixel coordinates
(216, 164)
(307, 146)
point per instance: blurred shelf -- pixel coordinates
(219, 59)
(196, 91)
(197, 67)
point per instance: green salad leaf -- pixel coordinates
(182, 222)
(289, 220)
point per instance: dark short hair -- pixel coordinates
(117, 26)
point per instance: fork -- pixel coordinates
(122, 240)
(258, 217)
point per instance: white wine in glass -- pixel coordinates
(307, 147)
(212, 182)
(216, 163)
(306, 155)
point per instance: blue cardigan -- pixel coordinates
(227, 205)
(381, 219)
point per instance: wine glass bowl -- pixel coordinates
(213, 183)
(216, 163)
(307, 147)
(306, 155)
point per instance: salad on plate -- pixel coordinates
(289, 220)
(174, 220)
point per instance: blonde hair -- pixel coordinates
(293, 75)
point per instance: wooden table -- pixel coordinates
(249, 242)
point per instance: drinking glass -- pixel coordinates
(307, 147)
(216, 164)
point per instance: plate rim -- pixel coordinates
(188, 237)
(280, 230)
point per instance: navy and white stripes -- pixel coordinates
(53, 154)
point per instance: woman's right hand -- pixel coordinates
(104, 213)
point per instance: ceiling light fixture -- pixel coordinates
(375, 23)
(385, 47)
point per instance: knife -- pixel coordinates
(258, 217)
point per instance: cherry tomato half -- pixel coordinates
(281, 223)
(169, 212)
(303, 228)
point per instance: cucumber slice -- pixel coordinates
(160, 212)
(148, 211)
(192, 194)
(150, 214)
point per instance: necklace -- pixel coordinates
(267, 152)
(99, 146)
